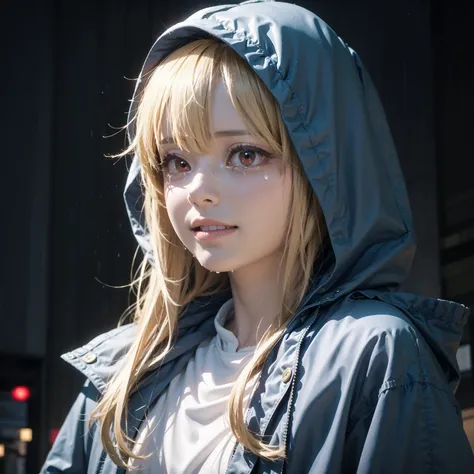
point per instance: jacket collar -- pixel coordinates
(100, 358)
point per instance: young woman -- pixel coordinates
(269, 335)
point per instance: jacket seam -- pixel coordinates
(446, 318)
(391, 385)
(394, 384)
(272, 409)
(428, 419)
(100, 340)
(88, 373)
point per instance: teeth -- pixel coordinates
(207, 228)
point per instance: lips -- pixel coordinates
(209, 228)
(207, 224)
(212, 232)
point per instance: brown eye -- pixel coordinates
(247, 157)
(244, 157)
(174, 165)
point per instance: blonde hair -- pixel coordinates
(178, 91)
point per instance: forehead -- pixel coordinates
(223, 114)
(224, 120)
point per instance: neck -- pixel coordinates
(256, 293)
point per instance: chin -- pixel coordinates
(217, 265)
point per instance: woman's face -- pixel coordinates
(239, 184)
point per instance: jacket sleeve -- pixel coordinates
(71, 449)
(414, 427)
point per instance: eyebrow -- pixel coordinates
(220, 133)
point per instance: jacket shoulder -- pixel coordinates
(371, 318)
(98, 359)
(382, 342)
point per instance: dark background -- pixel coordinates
(67, 76)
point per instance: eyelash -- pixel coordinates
(242, 148)
(231, 152)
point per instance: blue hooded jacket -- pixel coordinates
(363, 378)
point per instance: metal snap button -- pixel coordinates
(286, 375)
(89, 358)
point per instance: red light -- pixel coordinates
(21, 394)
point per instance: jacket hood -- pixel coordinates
(337, 124)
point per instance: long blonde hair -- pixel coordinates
(179, 91)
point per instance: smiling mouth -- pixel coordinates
(209, 232)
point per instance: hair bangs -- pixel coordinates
(177, 102)
(254, 102)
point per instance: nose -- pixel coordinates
(204, 191)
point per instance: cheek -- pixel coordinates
(176, 206)
(281, 201)
(268, 201)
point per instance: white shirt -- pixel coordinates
(187, 431)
